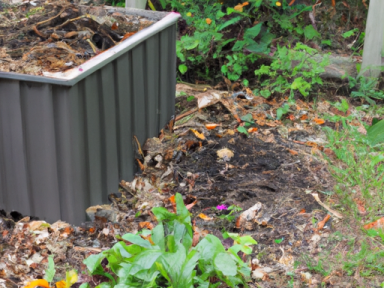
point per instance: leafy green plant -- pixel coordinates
(232, 209)
(166, 258)
(342, 106)
(375, 133)
(248, 122)
(366, 89)
(292, 69)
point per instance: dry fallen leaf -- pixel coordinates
(225, 154)
(198, 134)
(293, 152)
(253, 129)
(319, 121)
(205, 217)
(146, 225)
(211, 126)
(61, 284)
(379, 223)
(39, 282)
(360, 206)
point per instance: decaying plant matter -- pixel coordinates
(57, 36)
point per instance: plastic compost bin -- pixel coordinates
(66, 140)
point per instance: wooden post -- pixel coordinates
(373, 42)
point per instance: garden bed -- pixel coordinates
(58, 36)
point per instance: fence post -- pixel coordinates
(373, 42)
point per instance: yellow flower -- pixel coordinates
(189, 14)
(278, 3)
(209, 21)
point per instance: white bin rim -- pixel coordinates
(72, 76)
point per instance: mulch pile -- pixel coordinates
(57, 36)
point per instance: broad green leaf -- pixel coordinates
(253, 32)
(136, 239)
(247, 118)
(349, 33)
(173, 263)
(239, 45)
(246, 240)
(278, 241)
(310, 32)
(182, 212)
(51, 271)
(93, 262)
(242, 129)
(147, 258)
(183, 68)
(375, 133)
(163, 214)
(225, 264)
(85, 285)
(162, 271)
(229, 22)
(158, 236)
(104, 285)
(186, 277)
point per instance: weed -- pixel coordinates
(366, 89)
(291, 70)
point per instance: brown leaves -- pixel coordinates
(379, 223)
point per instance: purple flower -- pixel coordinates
(221, 207)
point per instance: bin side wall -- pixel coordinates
(63, 149)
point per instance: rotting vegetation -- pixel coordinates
(57, 36)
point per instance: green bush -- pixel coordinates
(166, 258)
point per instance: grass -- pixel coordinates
(358, 169)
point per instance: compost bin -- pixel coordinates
(66, 137)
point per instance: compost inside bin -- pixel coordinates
(57, 36)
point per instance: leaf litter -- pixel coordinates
(263, 184)
(48, 37)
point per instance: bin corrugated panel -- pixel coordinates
(66, 144)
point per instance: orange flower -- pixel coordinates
(209, 21)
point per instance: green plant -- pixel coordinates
(375, 133)
(366, 89)
(166, 258)
(232, 209)
(248, 122)
(292, 69)
(342, 106)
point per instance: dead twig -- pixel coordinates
(85, 249)
(333, 212)
(186, 114)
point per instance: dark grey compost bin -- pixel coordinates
(66, 139)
